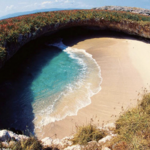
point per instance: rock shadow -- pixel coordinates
(16, 77)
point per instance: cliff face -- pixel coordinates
(128, 27)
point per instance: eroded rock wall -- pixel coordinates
(128, 27)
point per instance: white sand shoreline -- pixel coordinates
(124, 69)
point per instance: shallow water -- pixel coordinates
(54, 84)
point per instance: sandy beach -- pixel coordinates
(124, 63)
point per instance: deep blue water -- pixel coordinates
(48, 85)
(37, 84)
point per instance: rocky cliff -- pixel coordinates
(126, 9)
(128, 26)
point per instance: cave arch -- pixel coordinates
(132, 28)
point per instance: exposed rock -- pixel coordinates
(61, 144)
(66, 141)
(6, 135)
(107, 138)
(5, 144)
(108, 127)
(74, 147)
(92, 143)
(47, 141)
(56, 142)
(127, 9)
(106, 148)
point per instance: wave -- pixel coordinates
(76, 94)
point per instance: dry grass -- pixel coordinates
(92, 146)
(30, 144)
(85, 134)
(1, 146)
(133, 127)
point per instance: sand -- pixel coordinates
(124, 63)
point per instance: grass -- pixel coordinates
(30, 144)
(133, 127)
(1, 146)
(92, 146)
(85, 134)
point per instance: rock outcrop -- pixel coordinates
(126, 26)
(6, 135)
(127, 9)
(8, 138)
(66, 143)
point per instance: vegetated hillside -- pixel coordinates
(32, 12)
(15, 32)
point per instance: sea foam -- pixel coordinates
(76, 94)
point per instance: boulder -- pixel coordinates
(106, 148)
(66, 141)
(74, 147)
(107, 138)
(6, 135)
(56, 142)
(47, 141)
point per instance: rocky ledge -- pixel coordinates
(127, 9)
(8, 138)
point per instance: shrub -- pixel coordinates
(85, 134)
(133, 126)
(12, 27)
(30, 144)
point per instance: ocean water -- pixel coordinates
(56, 83)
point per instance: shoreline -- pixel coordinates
(78, 93)
(122, 77)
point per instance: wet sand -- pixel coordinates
(124, 63)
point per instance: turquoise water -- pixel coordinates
(54, 83)
(55, 76)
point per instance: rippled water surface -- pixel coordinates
(54, 83)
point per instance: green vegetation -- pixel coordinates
(85, 134)
(133, 127)
(13, 28)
